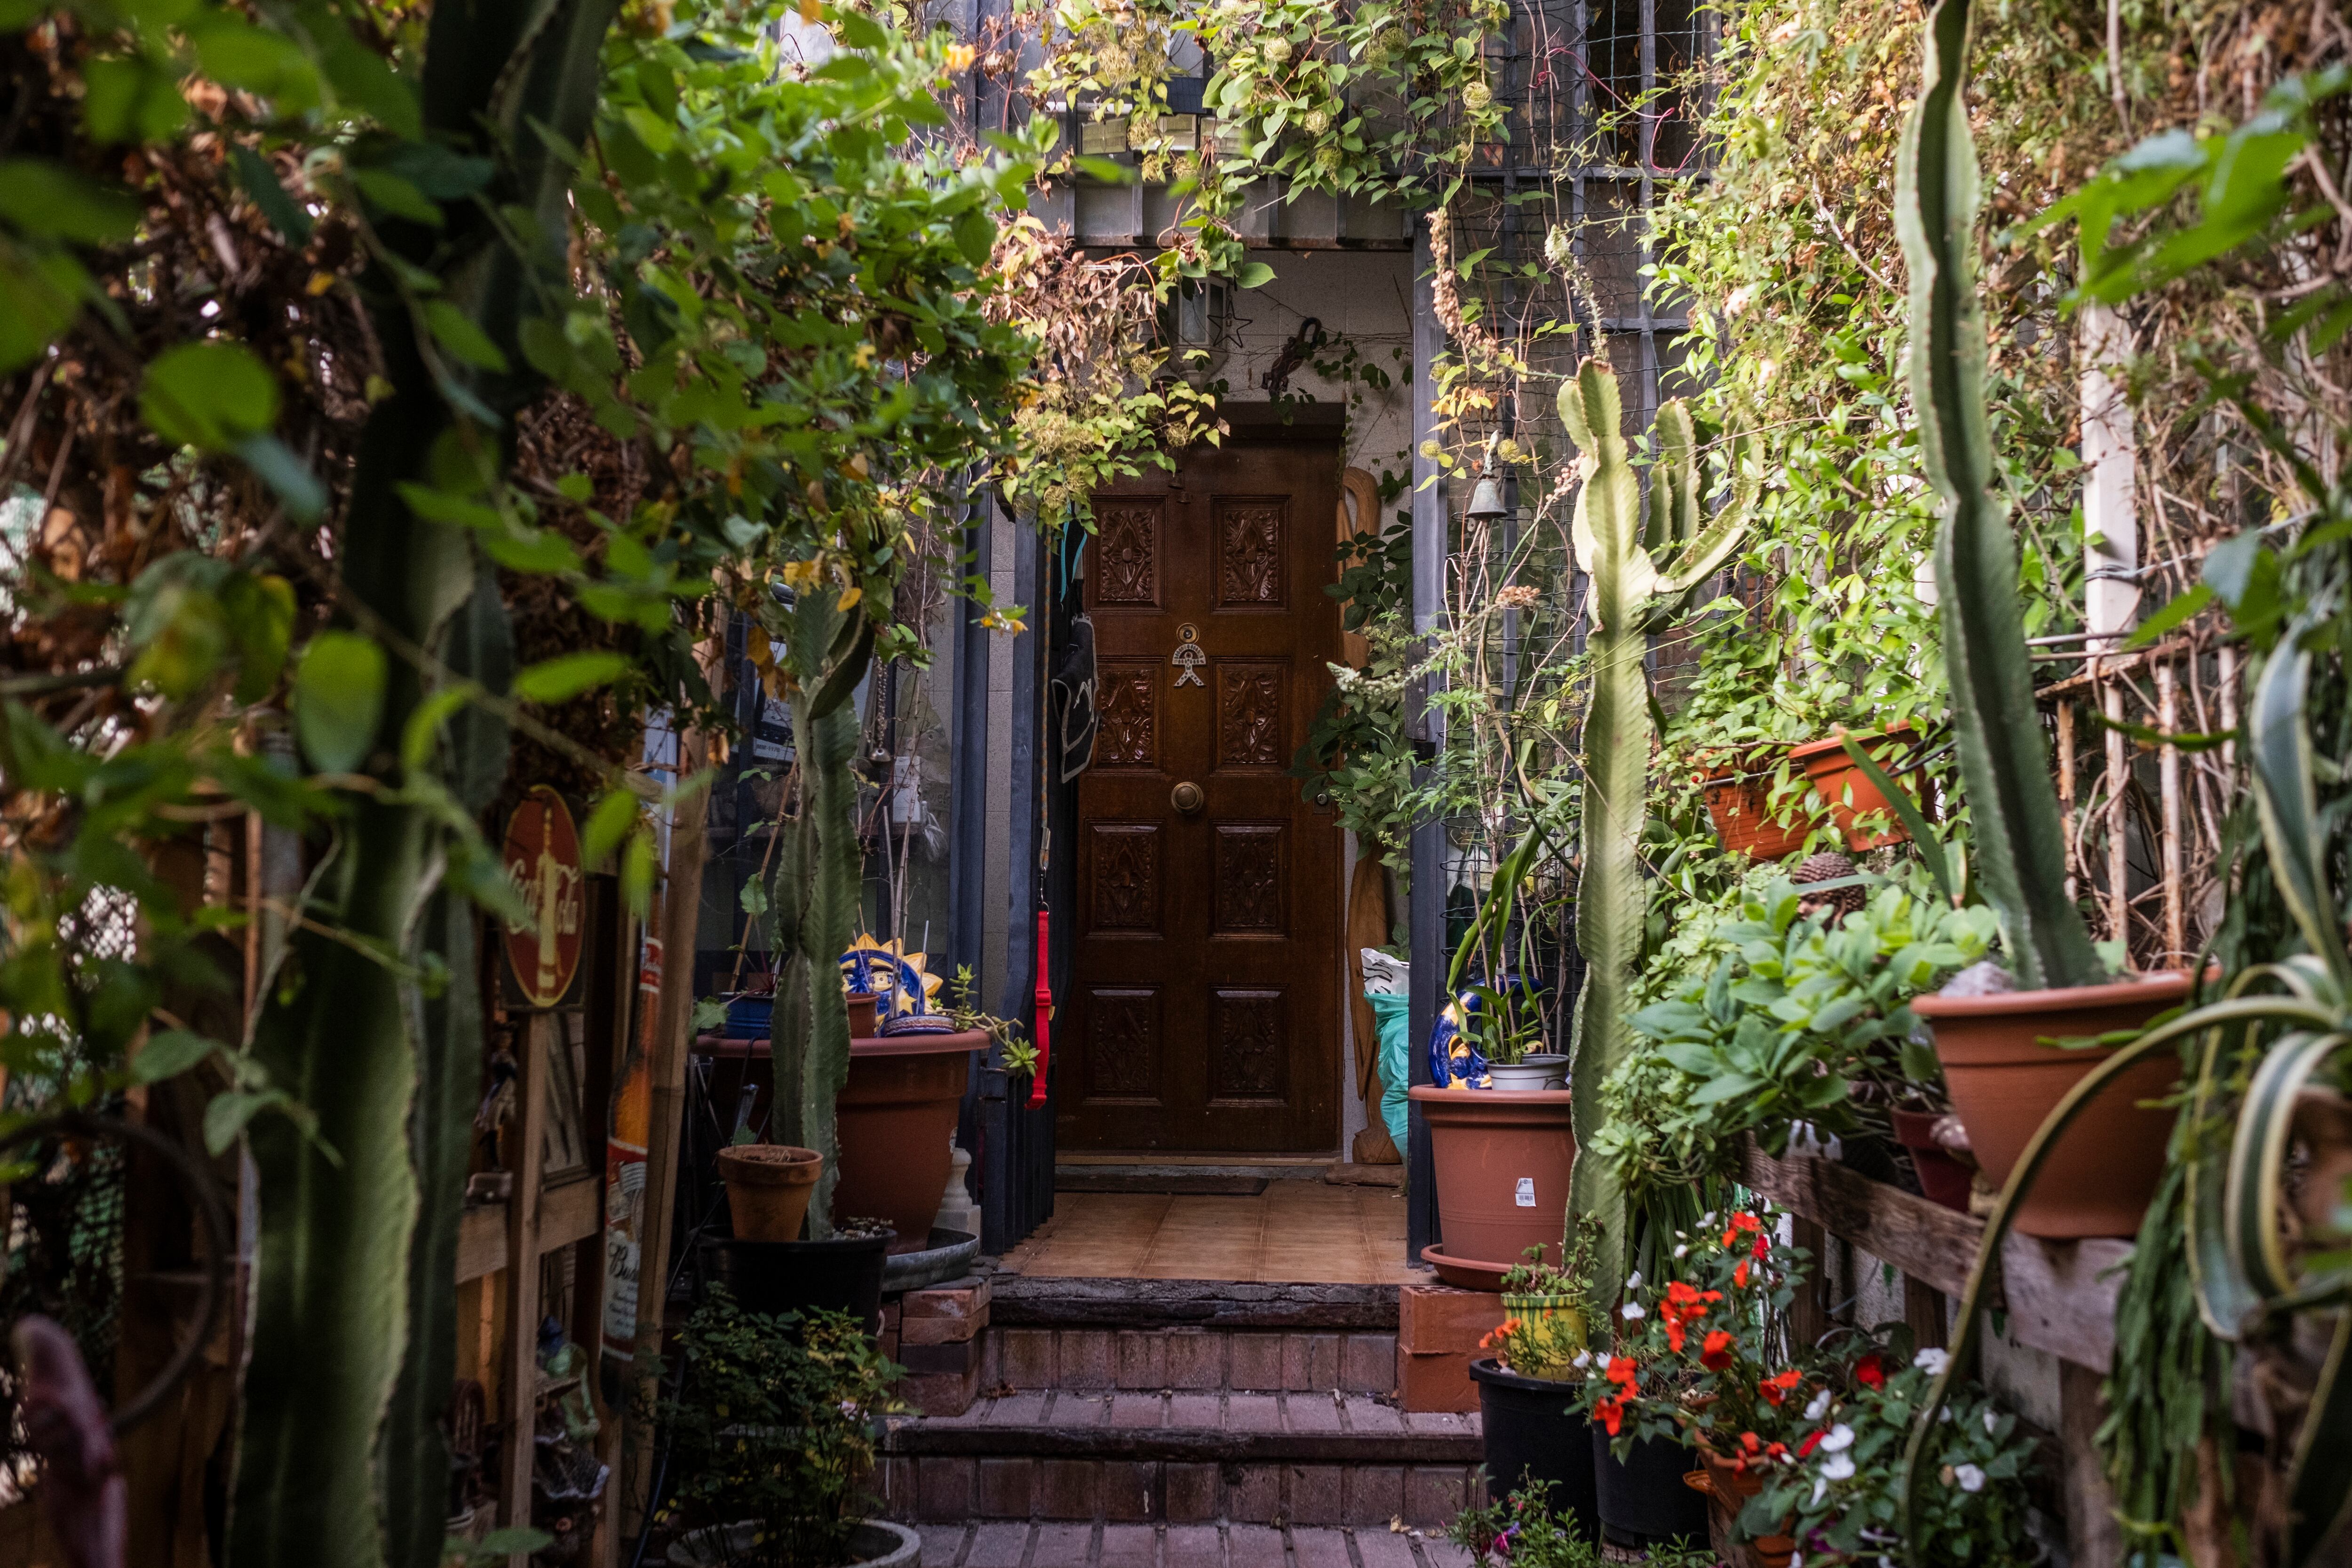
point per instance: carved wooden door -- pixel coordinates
(1203, 1007)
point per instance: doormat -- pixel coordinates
(1202, 1185)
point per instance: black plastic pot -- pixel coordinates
(842, 1275)
(1644, 1501)
(1534, 1431)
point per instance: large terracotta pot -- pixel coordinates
(767, 1188)
(898, 1115)
(1502, 1159)
(2003, 1082)
(1848, 790)
(1738, 806)
(1729, 1487)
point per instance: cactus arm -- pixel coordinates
(2013, 806)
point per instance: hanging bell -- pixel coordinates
(1486, 499)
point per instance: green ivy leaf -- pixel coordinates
(130, 97)
(260, 182)
(1255, 275)
(168, 1053)
(39, 198)
(339, 700)
(456, 331)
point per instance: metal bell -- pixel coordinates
(1486, 499)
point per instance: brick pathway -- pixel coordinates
(1015, 1545)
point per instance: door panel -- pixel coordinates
(1204, 999)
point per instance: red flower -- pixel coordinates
(1775, 1450)
(1740, 1222)
(1612, 1413)
(1869, 1372)
(1716, 1354)
(1775, 1389)
(1621, 1370)
(1750, 1441)
(1675, 1335)
(1763, 1245)
(1811, 1438)
(1739, 1275)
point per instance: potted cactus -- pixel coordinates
(1645, 572)
(1990, 1029)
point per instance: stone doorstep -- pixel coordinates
(1222, 1428)
(1122, 1303)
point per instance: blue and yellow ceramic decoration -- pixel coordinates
(1454, 1061)
(870, 967)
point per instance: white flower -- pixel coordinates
(1820, 1486)
(1839, 1439)
(1932, 1362)
(1819, 1407)
(1633, 1281)
(1990, 1420)
(1682, 1252)
(1582, 1360)
(1971, 1476)
(1708, 1218)
(1838, 1466)
(1944, 1413)
(1632, 1312)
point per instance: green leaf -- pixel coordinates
(168, 1053)
(456, 331)
(1255, 275)
(395, 194)
(614, 816)
(229, 1112)
(560, 679)
(2173, 612)
(288, 477)
(422, 733)
(130, 97)
(208, 394)
(260, 182)
(637, 872)
(39, 198)
(339, 691)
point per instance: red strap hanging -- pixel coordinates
(1044, 1014)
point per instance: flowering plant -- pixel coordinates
(1840, 1496)
(1705, 1358)
(1547, 1329)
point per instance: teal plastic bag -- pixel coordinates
(1396, 1075)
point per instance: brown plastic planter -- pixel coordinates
(2003, 1083)
(897, 1115)
(1730, 1487)
(1738, 806)
(767, 1188)
(1848, 790)
(1502, 1159)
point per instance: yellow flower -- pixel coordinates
(961, 56)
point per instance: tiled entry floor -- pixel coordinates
(1296, 1231)
(1017, 1544)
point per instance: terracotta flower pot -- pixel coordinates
(1848, 790)
(1942, 1178)
(1738, 807)
(1730, 1488)
(2003, 1082)
(767, 1188)
(1502, 1162)
(896, 1116)
(863, 1007)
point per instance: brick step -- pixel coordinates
(1270, 1459)
(1188, 1359)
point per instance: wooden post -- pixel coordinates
(676, 914)
(1923, 1310)
(520, 1375)
(1809, 1314)
(2168, 720)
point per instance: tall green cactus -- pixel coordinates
(2013, 806)
(1643, 577)
(819, 876)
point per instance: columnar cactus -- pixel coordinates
(1643, 575)
(2013, 822)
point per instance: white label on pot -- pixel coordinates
(1527, 1195)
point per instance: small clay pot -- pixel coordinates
(1729, 1488)
(1942, 1178)
(1537, 1070)
(2004, 1082)
(1848, 790)
(861, 1006)
(1738, 807)
(767, 1188)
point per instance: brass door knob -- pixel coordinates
(1187, 798)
